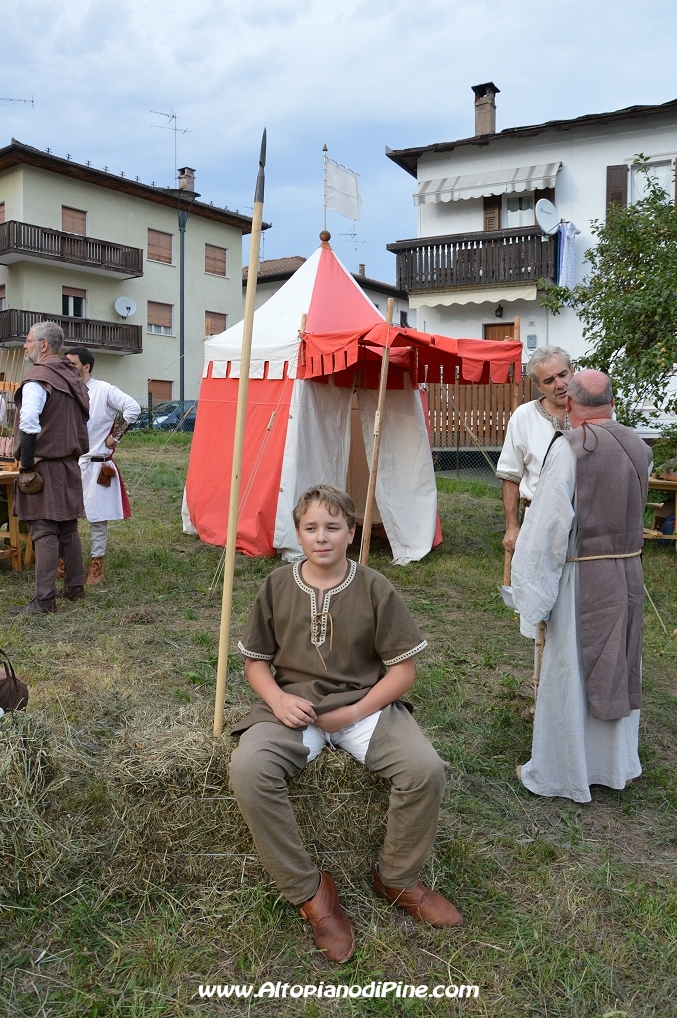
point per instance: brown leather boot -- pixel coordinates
(61, 570)
(333, 933)
(95, 574)
(423, 904)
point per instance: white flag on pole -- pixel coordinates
(342, 193)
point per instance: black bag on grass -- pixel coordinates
(13, 692)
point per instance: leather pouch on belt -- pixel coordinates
(106, 475)
(30, 481)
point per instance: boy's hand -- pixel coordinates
(335, 720)
(293, 711)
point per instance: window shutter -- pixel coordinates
(160, 246)
(617, 185)
(159, 314)
(2, 211)
(71, 291)
(215, 322)
(215, 259)
(492, 212)
(546, 192)
(73, 220)
(159, 389)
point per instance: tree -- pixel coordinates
(628, 302)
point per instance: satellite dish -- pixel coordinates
(546, 216)
(125, 306)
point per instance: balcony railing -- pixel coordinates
(23, 240)
(474, 259)
(113, 336)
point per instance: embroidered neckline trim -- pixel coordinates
(319, 628)
(555, 421)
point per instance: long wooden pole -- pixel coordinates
(371, 490)
(238, 445)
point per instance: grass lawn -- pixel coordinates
(127, 878)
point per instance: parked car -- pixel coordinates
(167, 415)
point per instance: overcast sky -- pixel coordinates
(356, 75)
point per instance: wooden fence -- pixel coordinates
(484, 410)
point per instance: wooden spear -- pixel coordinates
(371, 490)
(238, 444)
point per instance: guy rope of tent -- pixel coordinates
(238, 444)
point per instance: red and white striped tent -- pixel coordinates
(310, 414)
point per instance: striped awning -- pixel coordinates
(477, 185)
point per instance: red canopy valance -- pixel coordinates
(342, 354)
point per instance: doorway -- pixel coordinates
(499, 333)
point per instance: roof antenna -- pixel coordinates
(7, 102)
(171, 125)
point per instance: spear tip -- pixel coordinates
(260, 180)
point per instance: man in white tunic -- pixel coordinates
(577, 565)
(103, 501)
(530, 432)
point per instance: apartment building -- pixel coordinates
(473, 269)
(74, 239)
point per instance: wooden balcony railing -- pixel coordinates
(116, 337)
(19, 240)
(474, 259)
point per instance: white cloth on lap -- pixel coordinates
(354, 739)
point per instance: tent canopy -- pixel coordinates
(424, 356)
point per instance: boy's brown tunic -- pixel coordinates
(359, 627)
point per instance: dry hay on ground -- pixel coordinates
(163, 813)
(34, 838)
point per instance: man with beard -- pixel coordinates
(50, 435)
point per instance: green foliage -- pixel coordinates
(665, 448)
(627, 302)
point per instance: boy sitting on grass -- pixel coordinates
(342, 643)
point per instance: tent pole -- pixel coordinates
(371, 490)
(238, 444)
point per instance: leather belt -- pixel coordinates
(100, 459)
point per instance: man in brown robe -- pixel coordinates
(50, 435)
(578, 566)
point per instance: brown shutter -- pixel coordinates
(71, 291)
(499, 333)
(215, 260)
(159, 314)
(617, 185)
(546, 192)
(159, 389)
(159, 246)
(2, 211)
(73, 220)
(2, 292)
(215, 322)
(492, 212)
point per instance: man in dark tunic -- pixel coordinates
(50, 435)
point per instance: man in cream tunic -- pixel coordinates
(530, 432)
(577, 565)
(102, 503)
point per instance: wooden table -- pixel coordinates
(650, 533)
(7, 478)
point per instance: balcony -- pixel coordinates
(505, 257)
(108, 337)
(25, 242)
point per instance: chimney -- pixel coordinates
(485, 108)
(186, 179)
(360, 270)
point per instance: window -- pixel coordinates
(215, 322)
(519, 211)
(73, 302)
(2, 297)
(215, 260)
(159, 318)
(660, 172)
(160, 246)
(404, 319)
(2, 211)
(73, 220)
(159, 390)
